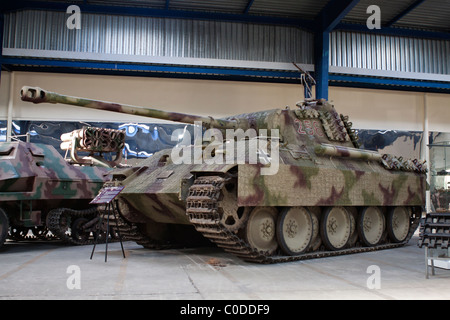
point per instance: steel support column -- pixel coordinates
(328, 19)
(321, 63)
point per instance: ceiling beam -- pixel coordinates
(333, 13)
(328, 18)
(395, 31)
(411, 7)
(249, 5)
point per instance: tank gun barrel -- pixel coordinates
(38, 95)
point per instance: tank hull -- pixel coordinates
(38, 187)
(316, 186)
(159, 191)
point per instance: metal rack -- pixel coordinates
(435, 237)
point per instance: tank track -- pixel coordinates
(19, 233)
(130, 231)
(202, 209)
(435, 230)
(58, 227)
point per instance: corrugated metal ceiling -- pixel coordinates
(428, 14)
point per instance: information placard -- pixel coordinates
(106, 195)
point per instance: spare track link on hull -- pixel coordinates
(202, 208)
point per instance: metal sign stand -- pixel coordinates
(106, 196)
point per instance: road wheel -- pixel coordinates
(371, 226)
(398, 223)
(260, 229)
(294, 230)
(336, 228)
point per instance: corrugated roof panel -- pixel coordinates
(157, 4)
(131, 35)
(434, 14)
(389, 9)
(431, 14)
(227, 6)
(381, 52)
(307, 9)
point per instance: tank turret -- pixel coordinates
(269, 186)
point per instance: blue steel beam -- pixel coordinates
(148, 68)
(249, 5)
(327, 19)
(111, 68)
(414, 5)
(383, 83)
(321, 63)
(167, 4)
(333, 13)
(7, 6)
(391, 31)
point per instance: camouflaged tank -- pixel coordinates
(40, 191)
(270, 186)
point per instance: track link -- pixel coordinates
(435, 230)
(203, 209)
(130, 231)
(60, 219)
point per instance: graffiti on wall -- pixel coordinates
(142, 139)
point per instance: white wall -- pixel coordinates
(367, 108)
(215, 98)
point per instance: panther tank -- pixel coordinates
(271, 186)
(43, 195)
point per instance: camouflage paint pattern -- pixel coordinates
(319, 164)
(31, 171)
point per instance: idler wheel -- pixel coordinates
(371, 226)
(232, 216)
(398, 223)
(294, 230)
(260, 229)
(4, 226)
(335, 228)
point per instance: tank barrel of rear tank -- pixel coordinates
(38, 95)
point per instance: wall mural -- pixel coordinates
(142, 139)
(407, 144)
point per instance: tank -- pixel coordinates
(43, 195)
(271, 186)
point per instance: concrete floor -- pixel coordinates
(51, 270)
